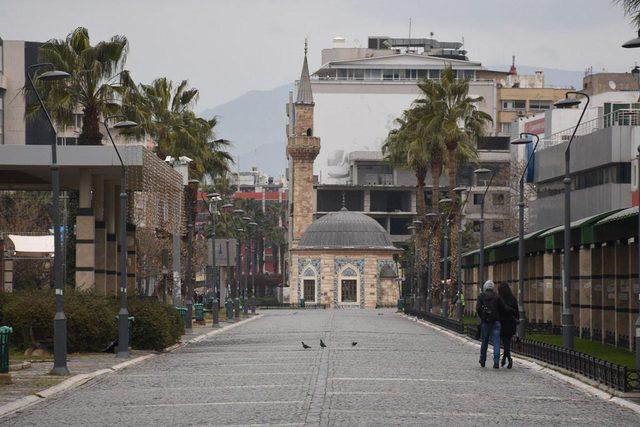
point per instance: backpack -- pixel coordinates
(487, 312)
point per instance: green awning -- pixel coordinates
(619, 216)
(500, 243)
(534, 234)
(579, 223)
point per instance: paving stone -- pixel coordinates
(400, 373)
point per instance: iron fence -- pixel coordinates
(445, 322)
(616, 376)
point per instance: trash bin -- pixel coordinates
(301, 302)
(198, 312)
(401, 304)
(5, 333)
(228, 305)
(183, 314)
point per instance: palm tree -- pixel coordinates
(456, 121)
(88, 88)
(632, 9)
(165, 113)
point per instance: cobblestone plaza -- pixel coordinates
(400, 372)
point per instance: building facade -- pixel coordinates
(344, 258)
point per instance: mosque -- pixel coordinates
(343, 259)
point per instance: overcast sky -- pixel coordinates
(228, 47)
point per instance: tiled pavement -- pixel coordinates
(257, 373)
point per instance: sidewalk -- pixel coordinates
(35, 378)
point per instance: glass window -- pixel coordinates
(423, 74)
(387, 74)
(375, 74)
(505, 128)
(498, 199)
(434, 74)
(497, 226)
(310, 290)
(514, 104)
(476, 226)
(342, 74)
(477, 199)
(536, 104)
(358, 74)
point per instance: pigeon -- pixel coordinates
(304, 345)
(380, 314)
(322, 344)
(353, 344)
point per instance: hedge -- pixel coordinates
(91, 320)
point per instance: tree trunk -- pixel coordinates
(420, 243)
(436, 171)
(90, 134)
(452, 170)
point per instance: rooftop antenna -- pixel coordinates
(344, 200)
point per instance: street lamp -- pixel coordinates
(459, 191)
(236, 291)
(193, 188)
(567, 315)
(412, 229)
(417, 268)
(443, 309)
(123, 313)
(253, 253)
(60, 320)
(523, 140)
(430, 218)
(482, 171)
(212, 273)
(633, 43)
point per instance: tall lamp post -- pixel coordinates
(431, 220)
(459, 308)
(212, 276)
(193, 191)
(635, 43)
(445, 270)
(412, 229)
(567, 315)
(417, 267)
(482, 171)
(60, 320)
(123, 313)
(252, 268)
(524, 139)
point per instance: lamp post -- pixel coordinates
(459, 308)
(524, 139)
(60, 320)
(417, 268)
(252, 268)
(430, 218)
(445, 271)
(236, 291)
(635, 43)
(123, 313)
(212, 276)
(227, 286)
(567, 315)
(412, 267)
(193, 187)
(482, 171)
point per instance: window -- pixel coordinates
(498, 199)
(536, 104)
(505, 128)
(348, 290)
(466, 74)
(309, 290)
(476, 226)
(372, 74)
(67, 140)
(514, 105)
(477, 199)
(77, 120)
(434, 74)
(497, 226)
(423, 74)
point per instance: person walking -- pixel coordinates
(508, 321)
(489, 309)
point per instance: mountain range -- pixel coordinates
(255, 121)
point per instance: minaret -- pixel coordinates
(302, 148)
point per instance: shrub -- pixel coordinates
(156, 326)
(91, 320)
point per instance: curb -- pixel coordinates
(580, 385)
(80, 379)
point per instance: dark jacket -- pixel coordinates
(493, 302)
(509, 318)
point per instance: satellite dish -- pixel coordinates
(612, 85)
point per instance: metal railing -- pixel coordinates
(610, 374)
(445, 322)
(622, 117)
